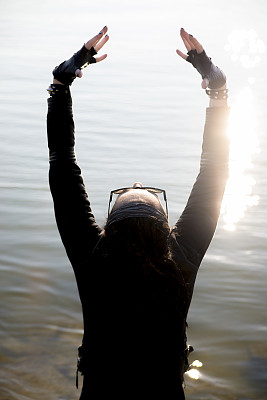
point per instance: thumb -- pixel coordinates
(205, 83)
(78, 73)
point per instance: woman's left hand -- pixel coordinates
(213, 77)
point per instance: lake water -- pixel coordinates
(139, 116)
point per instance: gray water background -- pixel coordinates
(139, 116)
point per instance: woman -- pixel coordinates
(136, 276)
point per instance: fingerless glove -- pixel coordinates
(207, 69)
(65, 72)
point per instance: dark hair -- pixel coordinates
(146, 242)
(141, 296)
(137, 253)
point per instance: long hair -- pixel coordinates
(136, 257)
(144, 245)
(140, 302)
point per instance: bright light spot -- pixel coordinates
(245, 47)
(194, 374)
(197, 364)
(243, 146)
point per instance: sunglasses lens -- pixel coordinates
(153, 190)
(149, 189)
(119, 191)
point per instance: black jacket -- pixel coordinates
(110, 367)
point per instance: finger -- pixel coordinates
(104, 30)
(101, 58)
(184, 36)
(187, 38)
(196, 44)
(193, 42)
(205, 83)
(92, 42)
(181, 54)
(100, 44)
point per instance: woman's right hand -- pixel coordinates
(68, 70)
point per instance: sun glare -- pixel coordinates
(242, 130)
(245, 48)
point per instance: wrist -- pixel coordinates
(58, 88)
(218, 97)
(56, 82)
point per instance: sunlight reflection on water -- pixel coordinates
(246, 48)
(194, 373)
(243, 146)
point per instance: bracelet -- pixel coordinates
(55, 88)
(217, 94)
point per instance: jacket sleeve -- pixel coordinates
(196, 226)
(76, 223)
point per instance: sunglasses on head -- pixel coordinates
(148, 188)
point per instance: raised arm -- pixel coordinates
(76, 223)
(196, 226)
